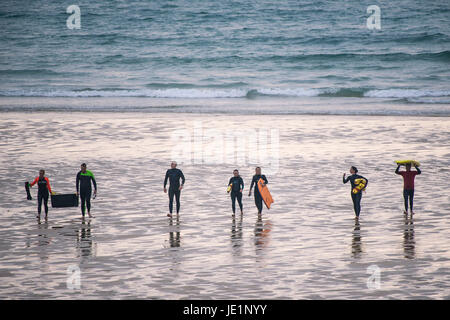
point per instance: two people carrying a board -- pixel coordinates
(359, 184)
(84, 179)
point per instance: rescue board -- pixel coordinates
(360, 185)
(265, 193)
(403, 162)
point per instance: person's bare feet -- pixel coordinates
(405, 212)
(412, 212)
(90, 215)
(169, 215)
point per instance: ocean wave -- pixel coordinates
(27, 72)
(150, 93)
(406, 93)
(190, 91)
(438, 100)
(322, 58)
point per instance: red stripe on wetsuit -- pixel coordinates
(40, 182)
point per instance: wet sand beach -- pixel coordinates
(307, 246)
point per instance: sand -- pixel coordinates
(307, 246)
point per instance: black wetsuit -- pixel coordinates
(356, 197)
(258, 198)
(43, 192)
(174, 176)
(238, 185)
(84, 188)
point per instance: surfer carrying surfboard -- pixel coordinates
(359, 184)
(408, 184)
(43, 191)
(237, 185)
(257, 194)
(174, 175)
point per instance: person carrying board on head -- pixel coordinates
(359, 184)
(174, 175)
(408, 184)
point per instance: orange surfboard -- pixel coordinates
(265, 194)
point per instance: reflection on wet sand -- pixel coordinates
(174, 251)
(356, 240)
(43, 241)
(262, 231)
(43, 238)
(139, 245)
(174, 237)
(236, 236)
(84, 240)
(409, 244)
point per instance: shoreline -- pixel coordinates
(227, 106)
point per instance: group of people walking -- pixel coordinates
(236, 187)
(84, 179)
(236, 184)
(176, 180)
(408, 187)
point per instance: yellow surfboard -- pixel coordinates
(403, 162)
(229, 187)
(265, 194)
(360, 185)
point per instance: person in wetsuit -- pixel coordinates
(356, 197)
(258, 198)
(43, 191)
(84, 189)
(237, 185)
(174, 175)
(408, 185)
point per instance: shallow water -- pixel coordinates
(212, 50)
(307, 246)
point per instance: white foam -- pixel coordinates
(406, 93)
(151, 93)
(291, 92)
(209, 93)
(168, 93)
